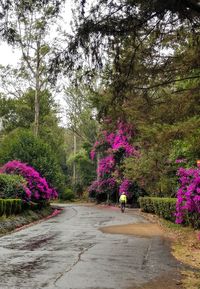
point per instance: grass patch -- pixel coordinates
(191, 279)
(186, 249)
(10, 223)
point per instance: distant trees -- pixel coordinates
(81, 134)
(27, 25)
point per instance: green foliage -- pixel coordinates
(22, 145)
(19, 112)
(161, 145)
(187, 146)
(11, 186)
(10, 206)
(166, 208)
(163, 207)
(85, 168)
(67, 195)
(192, 219)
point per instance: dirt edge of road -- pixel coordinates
(185, 247)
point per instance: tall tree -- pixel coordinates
(82, 127)
(149, 32)
(27, 25)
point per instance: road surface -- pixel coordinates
(70, 252)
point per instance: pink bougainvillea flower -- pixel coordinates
(188, 194)
(114, 147)
(37, 187)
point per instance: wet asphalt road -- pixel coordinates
(69, 252)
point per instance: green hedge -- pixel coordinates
(163, 207)
(10, 206)
(12, 186)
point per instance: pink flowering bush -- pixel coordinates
(188, 196)
(115, 141)
(106, 165)
(114, 147)
(126, 187)
(101, 187)
(37, 188)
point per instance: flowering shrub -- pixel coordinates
(115, 147)
(125, 187)
(103, 185)
(22, 145)
(37, 188)
(114, 141)
(106, 165)
(188, 195)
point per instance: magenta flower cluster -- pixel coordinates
(37, 188)
(114, 141)
(106, 165)
(114, 146)
(103, 185)
(125, 187)
(188, 194)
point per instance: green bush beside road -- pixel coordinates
(10, 207)
(163, 207)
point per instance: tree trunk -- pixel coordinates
(74, 163)
(37, 90)
(36, 122)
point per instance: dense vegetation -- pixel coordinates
(130, 62)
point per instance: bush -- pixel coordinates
(22, 145)
(188, 199)
(10, 206)
(37, 187)
(163, 207)
(68, 194)
(12, 186)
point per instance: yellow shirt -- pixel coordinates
(123, 198)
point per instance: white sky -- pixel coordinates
(8, 55)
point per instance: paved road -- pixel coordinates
(69, 252)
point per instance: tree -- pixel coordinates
(83, 126)
(22, 145)
(114, 147)
(27, 26)
(19, 112)
(136, 39)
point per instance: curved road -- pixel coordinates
(69, 252)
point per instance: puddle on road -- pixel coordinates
(140, 230)
(170, 280)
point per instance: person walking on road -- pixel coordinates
(123, 201)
